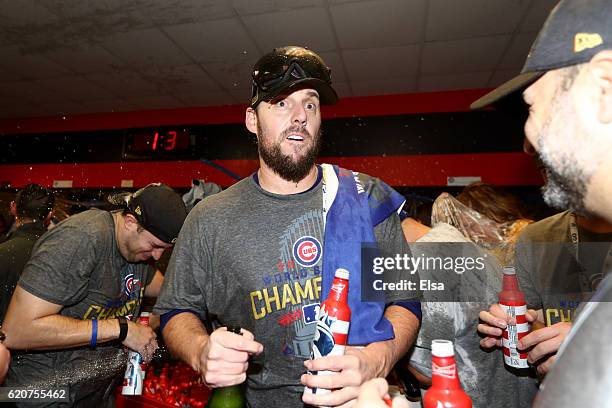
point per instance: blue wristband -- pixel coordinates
(94, 333)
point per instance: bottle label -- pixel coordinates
(330, 340)
(449, 372)
(134, 375)
(512, 334)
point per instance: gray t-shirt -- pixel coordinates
(483, 374)
(553, 276)
(78, 265)
(251, 258)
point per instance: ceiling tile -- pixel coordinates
(517, 53)
(501, 76)
(12, 59)
(537, 14)
(156, 102)
(123, 83)
(60, 107)
(108, 105)
(476, 54)
(24, 12)
(122, 15)
(384, 86)
(205, 98)
(144, 48)
(378, 23)
(378, 63)
(199, 40)
(185, 78)
(164, 12)
(453, 20)
(241, 95)
(75, 88)
(7, 76)
(305, 27)
(342, 89)
(452, 82)
(28, 90)
(246, 7)
(334, 61)
(232, 75)
(84, 59)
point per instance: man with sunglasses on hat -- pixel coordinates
(261, 255)
(75, 305)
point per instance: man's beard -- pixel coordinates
(567, 156)
(284, 165)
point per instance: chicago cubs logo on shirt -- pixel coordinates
(130, 283)
(307, 251)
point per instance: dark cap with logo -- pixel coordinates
(288, 69)
(574, 32)
(158, 209)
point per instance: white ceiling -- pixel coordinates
(61, 57)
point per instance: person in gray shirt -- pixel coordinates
(568, 81)
(254, 255)
(67, 322)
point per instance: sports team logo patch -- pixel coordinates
(129, 283)
(307, 251)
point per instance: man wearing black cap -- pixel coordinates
(85, 279)
(568, 81)
(260, 255)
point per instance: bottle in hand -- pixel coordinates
(333, 322)
(228, 397)
(512, 300)
(445, 390)
(136, 368)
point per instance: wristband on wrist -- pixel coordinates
(94, 334)
(123, 328)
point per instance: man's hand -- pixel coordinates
(352, 369)
(545, 343)
(142, 339)
(225, 355)
(5, 359)
(371, 395)
(494, 321)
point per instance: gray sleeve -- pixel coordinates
(188, 277)
(390, 237)
(60, 267)
(524, 265)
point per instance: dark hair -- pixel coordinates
(492, 202)
(34, 201)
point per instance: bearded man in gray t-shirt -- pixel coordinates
(252, 256)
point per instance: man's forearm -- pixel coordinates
(406, 327)
(57, 332)
(186, 337)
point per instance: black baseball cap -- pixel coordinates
(158, 209)
(288, 69)
(574, 32)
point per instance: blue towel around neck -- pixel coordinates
(350, 223)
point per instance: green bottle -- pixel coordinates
(228, 397)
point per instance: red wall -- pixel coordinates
(417, 170)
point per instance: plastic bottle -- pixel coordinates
(445, 390)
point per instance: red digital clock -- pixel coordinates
(157, 142)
